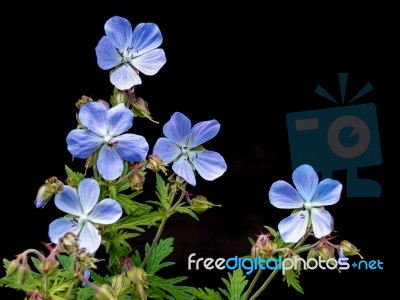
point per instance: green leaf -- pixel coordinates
(236, 284)
(271, 231)
(131, 207)
(85, 294)
(187, 210)
(206, 294)
(305, 246)
(67, 262)
(75, 176)
(116, 244)
(177, 292)
(292, 280)
(162, 191)
(161, 250)
(136, 222)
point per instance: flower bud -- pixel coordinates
(139, 278)
(326, 252)
(68, 243)
(136, 181)
(120, 283)
(49, 266)
(119, 97)
(13, 267)
(200, 204)
(43, 196)
(81, 102)
(255, 251)
(23, 272)
(312, 254)
(155, 164)
(104, 103)
(105, 292)
(349, 249)
(266, 245)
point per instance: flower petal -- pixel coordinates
(109, 163)
(293, 228)
(166, 149)
(178, 129)
(120, 119)
(58, 228)
(107, 54)
(68, 201)
(146, 37)
(321, 222)
(107, 211)
(327, 193)
(94, 116)
(203, 132)
(89, 192)
(82, 143)
(183, 168)
(131, 147)
(150, 62)
(89, 238)
(283, 195)
(124, 77)
(209, 164)
(119, 30)
(305, 180)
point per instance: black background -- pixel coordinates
(247, 67)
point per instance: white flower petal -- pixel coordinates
(321, 222)
(89, 192)
(124, 77)
(151, 62)
(89, 238)
(58, 228)
(293, 228)
(184, 169)
(209, 164)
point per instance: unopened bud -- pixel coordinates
(139, 278)
(200, 204)
(349, 249)
(266, 245)
(81, 102)
(49, 266)
(136, 181)
(23, 272)
(13, 267)
(68, 243)
(105, 292)
(120, 283)
(155, 164)
(119, 97)
(326, 252)
(47, 190)
(312, 254)
(104, 103)
(140, 108)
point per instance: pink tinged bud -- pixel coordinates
(104, 103)
(155, 164)
(200, 204)
(137, 181)
(120, 283)
(49, 266)
(13, 267)
(81, 102)
(23, 273)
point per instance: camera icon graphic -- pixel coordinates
(337, 138)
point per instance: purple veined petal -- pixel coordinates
(88, 192)
(107, 54)
(107, 211)
(58, 228)
(82, 143)
(327, 193)
(119, 30)
(178, 129)
(150, 62)
(283, 195)
(203, 132)
(293, 228)
(167, 150)
(321, 222)
(305, 180)
(131, 147)
(209, 164)
(120, 119)
(68, 201)
(146, 37)
(94, 116)
(89, 238)
(183, 168)
(124, 77)
(109, 163)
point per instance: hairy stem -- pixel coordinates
(252, 284)
(265, 284)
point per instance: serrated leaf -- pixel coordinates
(116, 244)
(75, 176)
(85, 294)
(187, 210)
(235, 286)
(136, 222)
(67, 262)
(161, 250)
(131, 207)
(177, 292)
(206, 294)
(162, 191)
(292, 280)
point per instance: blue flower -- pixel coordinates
(309, 197)
(130, 52)
(182, 146)
(104, 129)
(86, 211)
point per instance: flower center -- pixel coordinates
(185, 150)
(127, 56)
(308, 205)
(107, 139)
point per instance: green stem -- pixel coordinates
(308, 248)
(303, 239)
(252, 284)
(125, 177)
(168, 212)
(265, 284)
